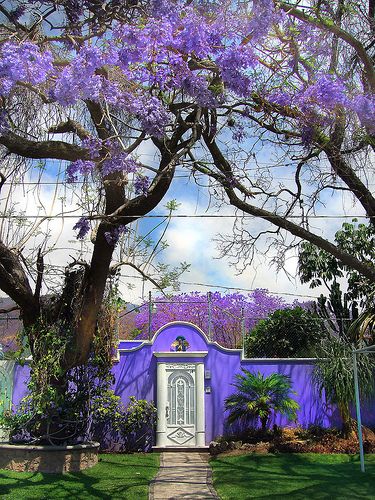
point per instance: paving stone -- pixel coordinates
(183, 476)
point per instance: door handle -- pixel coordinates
(167, 411)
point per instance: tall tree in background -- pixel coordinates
(225, 317)
(317, 267)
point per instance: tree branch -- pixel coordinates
(222, 164)
(57, 150)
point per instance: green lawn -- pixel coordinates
(296, 476)
(116, 476)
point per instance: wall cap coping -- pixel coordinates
(280, 360)
(33, 447)
(180, 354)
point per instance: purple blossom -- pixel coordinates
(150, 112)
(141, 185)
(114, 234)
(281, 98)
(83, 227)
(233, 63)
(93, 144)
(364, 106)
(23, 62)
(78, 168)
(327, 92)
(79, 79)
(226, 313)
(119, 162)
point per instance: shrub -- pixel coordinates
(286, 333)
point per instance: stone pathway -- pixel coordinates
(183, 475)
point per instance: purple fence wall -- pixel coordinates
(135, 374)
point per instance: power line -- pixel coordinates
(183, 216)
(210, 285)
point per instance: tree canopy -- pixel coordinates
(213, 86)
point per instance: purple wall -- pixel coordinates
(135, 375)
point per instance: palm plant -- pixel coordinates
(258, 396)
(333, 375)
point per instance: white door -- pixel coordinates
(180, 404)
(181, 408)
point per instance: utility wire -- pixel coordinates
(182, 216)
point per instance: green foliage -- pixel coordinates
(62, 402)
(286, 333)
(364, 326)
(318, 267)
(258, 396)
(133, 424)
(333, 374)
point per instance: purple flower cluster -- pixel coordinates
(23, 62)
(83, 227)
(114, 234)
(327, 92)
(175, 47)
(233, 63)
(79, 79)
(78, 168)
(119, 162)
(93, 145)
(141, 185)
(226, 310)
(364, 106)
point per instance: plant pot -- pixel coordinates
(50, 459)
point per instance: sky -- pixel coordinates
(191, 236)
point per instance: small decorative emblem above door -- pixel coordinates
(180, 344)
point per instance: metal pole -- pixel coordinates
(209, 300)
(149, 314)
(358, 410)
(243, 331)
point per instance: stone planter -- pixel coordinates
(4, 435)
(53, 459)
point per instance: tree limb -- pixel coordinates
(57, 150)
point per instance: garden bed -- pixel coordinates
(51, 459)
(293, 440)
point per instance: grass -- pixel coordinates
(115, 477)
(293, 476)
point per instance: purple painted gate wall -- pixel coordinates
(135, 375)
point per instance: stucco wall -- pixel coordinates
(135, 375)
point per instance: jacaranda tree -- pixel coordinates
(226, 317)
(86, 85)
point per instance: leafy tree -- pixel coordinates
(318, 267)
(230, 313)
(258, 396)
(333, 374)
(286, 333)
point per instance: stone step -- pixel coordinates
(180, 449)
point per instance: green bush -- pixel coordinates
(286, 333)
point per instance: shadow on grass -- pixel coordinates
(116, 476)
(298, 476)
